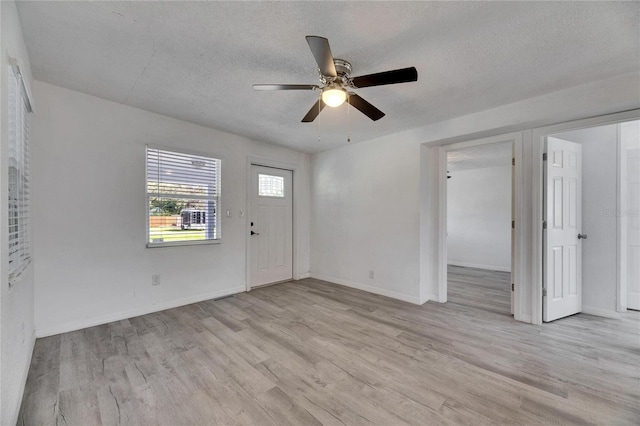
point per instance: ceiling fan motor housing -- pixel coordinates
(343, 69)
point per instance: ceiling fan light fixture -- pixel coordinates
(334, 97)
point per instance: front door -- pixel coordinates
(562, 259)
(271, 225)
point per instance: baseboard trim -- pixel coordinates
(599, 312)
(477, 266)
(23, 381)
(523, 318)
(431, 298)
(424, 299)
(369, 289)
(79, 325)
(303, 276)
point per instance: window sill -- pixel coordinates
(184, 243)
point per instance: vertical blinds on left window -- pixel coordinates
(19, 190)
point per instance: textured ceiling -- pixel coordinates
(196, 61)
(480, 157)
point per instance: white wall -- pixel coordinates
(479, 218)
(357, 227)
(365, 206)
(16, 303)
(88, 161)
(599, 195)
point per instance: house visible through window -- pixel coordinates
(183, 196)
(19, 194)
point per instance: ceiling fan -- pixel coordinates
(335, 76)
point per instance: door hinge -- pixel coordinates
(512, 287)
(513, 224)
(544, 224)
(513, 161)
(544, 291)
(544, 157)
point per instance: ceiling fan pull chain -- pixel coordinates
(319, 109)
(348, 120)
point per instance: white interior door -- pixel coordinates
(633, 228)
(271, 216)
(562, 259)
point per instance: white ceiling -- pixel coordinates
(196, 61)
(480, 157)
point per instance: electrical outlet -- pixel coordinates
(155, 279)
(228, 213)
(241, 213)
(371, 274)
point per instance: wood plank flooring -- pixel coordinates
(310, 353)
(479, 288)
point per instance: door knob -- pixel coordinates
(582, 236)
(255, 233)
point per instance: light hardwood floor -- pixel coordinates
(479, 288)
(310, 352)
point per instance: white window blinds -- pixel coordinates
(183, 195)
(19, 191)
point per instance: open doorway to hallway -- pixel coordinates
(591, 242)
(479, 226)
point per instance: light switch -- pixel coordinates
(241, 213)
(228, 213)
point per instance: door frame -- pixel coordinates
(623, 223)
(538, 136)
(293, 168)
(517, 240)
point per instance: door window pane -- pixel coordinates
(270, 186)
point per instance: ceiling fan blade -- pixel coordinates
(403, 75)
(313, 112)
(322, 53)
(364, 107)
(285, 86)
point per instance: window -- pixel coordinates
(183, 197)
(270, 186)
(19, 193)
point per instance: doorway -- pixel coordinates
(591, 188)
(433, 236)
(629, 215)
(270, 226)
(479, 226)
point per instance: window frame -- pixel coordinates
(218, 199)
(21, 113)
